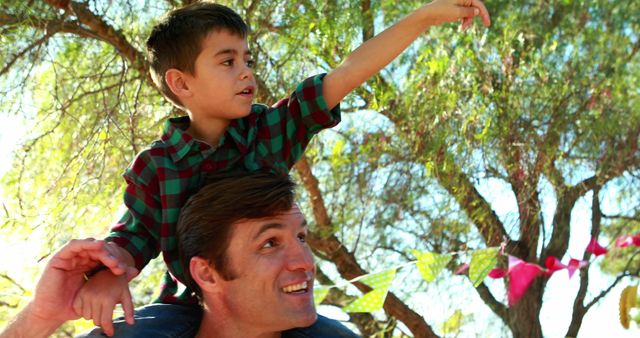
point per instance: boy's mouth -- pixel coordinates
(247, 91)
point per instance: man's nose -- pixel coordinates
(299, 257)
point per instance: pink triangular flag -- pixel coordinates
(553, 264)
(521, 275)
(596, 248)
(575, 264)
(627, 240)
(497, 273)
(462, 269)
(514, 261)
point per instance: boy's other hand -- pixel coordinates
(63, 277)
(444, 11)
(99, 296)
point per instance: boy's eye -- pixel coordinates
(228, 62)
(302, 238)
(250, 63)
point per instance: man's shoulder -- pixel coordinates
(323, 328)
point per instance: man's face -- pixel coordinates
(223, 85)
(274, 272)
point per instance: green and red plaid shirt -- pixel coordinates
(163, 177)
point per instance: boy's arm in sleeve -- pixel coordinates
(376, 53)
(138, 231)
(288, 126)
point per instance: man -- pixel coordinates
(61, 279)
(243, 240)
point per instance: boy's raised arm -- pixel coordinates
(376, 53)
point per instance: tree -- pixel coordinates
(543, 105)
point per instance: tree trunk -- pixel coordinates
(524, 316)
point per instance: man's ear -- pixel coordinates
(177, 82)
(203, 274)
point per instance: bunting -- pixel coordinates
(520, 274)
(374, 299)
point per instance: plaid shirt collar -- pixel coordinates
(180, 143)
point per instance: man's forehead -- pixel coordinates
(289, 218)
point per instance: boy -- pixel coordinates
(200, 60)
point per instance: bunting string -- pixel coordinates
(483, 263)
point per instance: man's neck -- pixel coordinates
(223, 325)
(207, 130)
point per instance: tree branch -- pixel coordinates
(622, 157)
(366, 323)
(579, 310)
(345, 261)
(456, 182)
(21, 53)
(105, 32)
(497, 307)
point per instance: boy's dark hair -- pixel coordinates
(176, 40)
(205, 224)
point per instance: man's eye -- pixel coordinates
(228, 62)
(270, 244)
(302, 238)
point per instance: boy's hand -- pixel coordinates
(57, 287)
(377, 52)
(63, 277)
(443, 11)
(99, 296)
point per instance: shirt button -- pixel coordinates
(207, 166)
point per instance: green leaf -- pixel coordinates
(482, 261)
(431, 264)
(454, 323)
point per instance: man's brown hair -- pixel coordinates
(205, 224)
(176, 41)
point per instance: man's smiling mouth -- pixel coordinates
(296, 288)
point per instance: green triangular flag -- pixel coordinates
(431, 264)
(380, 280)
(482, 261)
(373, 300)
(319, 295)
(369, 302)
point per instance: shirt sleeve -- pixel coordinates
(287, 127)
(138, 229)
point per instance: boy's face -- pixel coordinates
(222, 85)
(274, 272)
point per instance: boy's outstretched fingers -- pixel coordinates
(106, 313)
(106, 319)
(483, 12)
(127, 307)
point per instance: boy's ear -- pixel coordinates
(203, 274)
(177, 82)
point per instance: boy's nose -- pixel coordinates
(246, 73)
